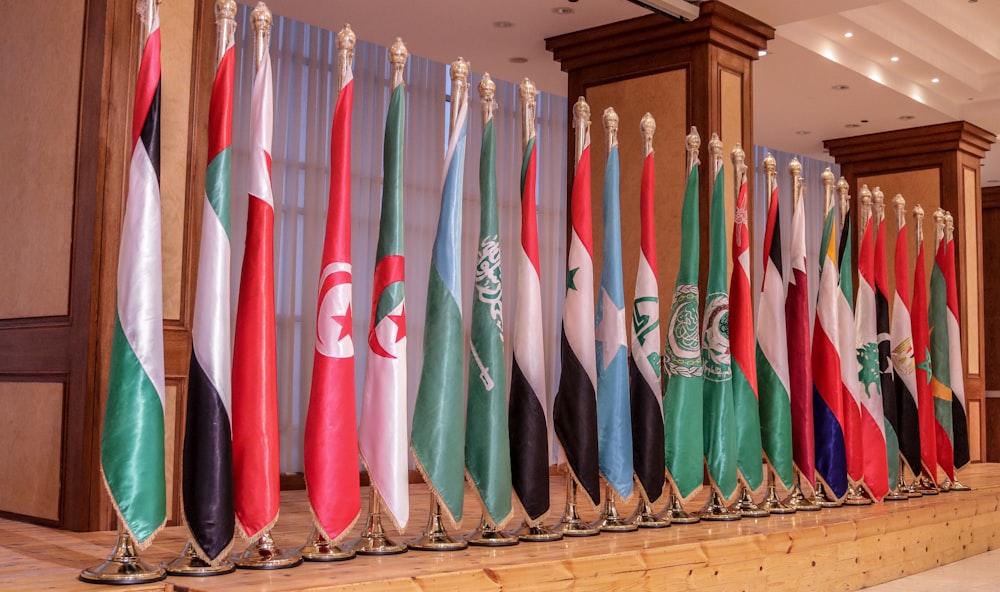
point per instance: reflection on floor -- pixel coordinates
(980, 573)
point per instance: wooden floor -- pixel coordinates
(836, 549)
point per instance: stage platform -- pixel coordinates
(845, 548)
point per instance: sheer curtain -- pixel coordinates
(305, 89)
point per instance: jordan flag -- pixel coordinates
(800, 380)
(960, 427)
(905, 383)
(940, 353)
(922, 358)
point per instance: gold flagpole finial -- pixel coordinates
(647, 127)
(715, 153)
(938, 218)
(459, 89)
(225, 27)
(770, 174)
(843, 190)
(397, 61)
(262, 19)
(865, 210)
(528, 95)
(611, 122)
(949, 226)
(878, 205)
(795, 172)
(828, 190)
(693, 143)
(487, 94)
(581, 123)
(899, 204)
(739, 159)
(918, 218)
(147, 10)
(346, 41)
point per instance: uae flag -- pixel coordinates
(890, 398)
(901, 336)
(800, 379)
(683, 414)
(574, 412)
(208, 438)
(922, 360)
(644, 358)
(487, 441)
(940, 354)
(438, 438)
(382, 433)
(256, 468)
(960, 427)
(132, 446)
(847, 339)
(330, 451)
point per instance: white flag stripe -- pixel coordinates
(646, 285)
(262, 116)
(579, 304)
(529, 349)
(771, 324)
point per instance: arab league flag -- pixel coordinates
(132, 445)
(614, 422)
(438, 437)
(208, 438)
(487, 443)
(890, 397)
(937, 317)
(800, 380)
(901, 335)
(382, 433)
(922, 361)
(720, 421)
(960, 428)
(847, 334)
(682, 403)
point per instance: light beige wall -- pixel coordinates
(31, 441)
(731, 91)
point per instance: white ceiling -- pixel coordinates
(795, 105)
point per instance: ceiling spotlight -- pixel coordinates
(894, 59)
(935, 80)
(563, 10)
(852, 125)
(503, 24)
(803, 132)
(840, 87)
(907, 117)
(518, 60)
(848, 34)
(761, 53)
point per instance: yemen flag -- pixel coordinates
(890, 398)
(719, 416)
(960, 428)
(800, 380)
(331, 436)
(487, 442)
(132, 446)
(875, 468)
(208, 437)
(901, 335)
(922, 357)
(438, 438)
(940, 353)
(683, 415)
(772, 345)
(256, 468)
(644, 359)
(382, 433)
(614, 422)
(847, 335)
(574, 411)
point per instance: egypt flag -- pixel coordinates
(208, 438)
(382, 433)
(847, 335)
(901, 335)
(960, 428)
(875, 467)
(940, 354)
(574, 411)
(644, 358)
(256, 469)
(922, 359)
(438, 437)
(132, 452)
(800, 380)
(330, 451)
(890, 398)
(683, 414)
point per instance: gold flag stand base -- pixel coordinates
(745, 505)
(913, 489)
(896, 495)
(675, 512)
(823, 500)
(957, 485)
(945, 485)
(373, 539)
(318, 548)
(488, 535)
(571, 524)
(715, 509)
(798, 500)
(189, 564)
(538, 533)
(611, 520)
(435, 537)
(645, 518)
(264, 554)
(772, 503)
(123, 566)
(926, 486)
(857, 496)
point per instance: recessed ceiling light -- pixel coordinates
(563, 10)
(935, 80)
(503, 24)
(994, 181)
(518, 60)
(803, 132)
(907, 117)
(852, 125)
(840, 87)
(848, 34)
(761, 53)
(894, 59)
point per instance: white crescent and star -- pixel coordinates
(611, 330)
(334, 319)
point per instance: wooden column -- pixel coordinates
(937, 166)
(991, 318)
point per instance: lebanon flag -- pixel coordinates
(890, 397)
(940, 353)
(331, 437)
(132, 446)
(574, 411)
(908, 427)
(847, 335)
(922, 358)
(382, 437)
(960, 428)
(208, 436)
(800, 380)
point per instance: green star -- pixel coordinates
(926, 365)
(570, 278)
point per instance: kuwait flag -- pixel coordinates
(901, 335)
(644, 359)
(922, 356)
(382, 436)
(574, 412)
(438, 438)
(960, 428)
(849, 367)
(331, 437)
(719, 418)
(256, 467)
(772, 345)
(132, 438)
(940, 353)
(614, 423)
(529, 458)
(487, 442)
(682, 403)
(890, 397)
(800, 379)
(875, 468)
(208, 437)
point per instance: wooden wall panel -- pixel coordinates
(972, 324)
(31, 441)
(974, 421)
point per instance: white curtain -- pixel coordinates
(305, 88)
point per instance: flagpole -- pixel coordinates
(955, 358)
(927, 484)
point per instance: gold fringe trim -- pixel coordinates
(399, 526)
(501, 523)
(139, 545)
(450, 521)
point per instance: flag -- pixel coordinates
(438, 437)
(890, 396)
(682, 404)
(574, 411)
(644, 358)
(256, 469)
(847, 335)
(905, 383)
(330, 451)
(614, 422)
(872, 425)
(772, 345)
(207, 481)
(719, 418)
(940, 354)
(382, 433)
(922, 360)
(800, 379)
(828, 401)
(960, 428)
(487, 440)
(132, 446)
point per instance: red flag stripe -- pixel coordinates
(581, 214)
(647, 215)
(220, 114)
(529, 212)
(146, 83)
